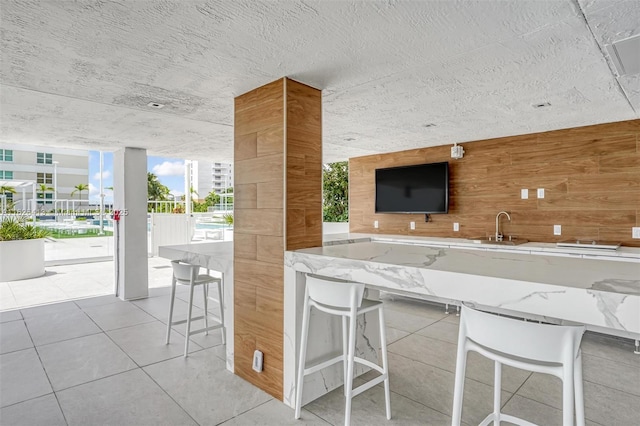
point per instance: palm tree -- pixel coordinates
(156, 191)
(79, 188)
(42, 188)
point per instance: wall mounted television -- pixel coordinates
(423, 188)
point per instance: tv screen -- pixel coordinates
(423, 188)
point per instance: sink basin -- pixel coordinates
(505, 242)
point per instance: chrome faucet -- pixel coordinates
(498, 234)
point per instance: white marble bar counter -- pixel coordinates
(217, 256)
(601, 293)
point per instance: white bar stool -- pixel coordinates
(343, 298)
(541, 348)
(187, 274)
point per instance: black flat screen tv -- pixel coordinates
(423, 188)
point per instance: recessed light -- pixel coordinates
(155, 105)
(429, 125)
(542, 105)
(349, 139)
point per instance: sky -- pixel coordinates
(170, 172)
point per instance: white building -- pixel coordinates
(59, 170)
(207, 177)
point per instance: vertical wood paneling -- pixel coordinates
(267, 166)
(591, 177)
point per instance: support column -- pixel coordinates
(130, 196)
(277, 207)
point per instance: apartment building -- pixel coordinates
(207, 177)
(59, 170)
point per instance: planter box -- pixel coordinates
(21, 259)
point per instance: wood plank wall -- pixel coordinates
(277, 134)
(591, 177)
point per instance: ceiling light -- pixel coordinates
(349, 139)
(429, 125)
(542, 105)
(155, 105)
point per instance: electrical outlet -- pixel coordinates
(456, 226)
(635, 232)
(375, 224)
(524, 194)
(557, 229)
(540, 192)
(412, 225)
(257, 361)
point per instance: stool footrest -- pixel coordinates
(366, 386)
(323, 364)
(505, 418)
(202, 330)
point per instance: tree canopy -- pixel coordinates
(335, 192)
(156, 191)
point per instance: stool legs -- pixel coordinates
(578, 390)
(458, 391)
(186, 340)
(173, 297)
(385, 362)
(221, 304)
(568, 397)
(205, 295)
(303, 353)
(348, 380)
(345, 346)
(497, 387)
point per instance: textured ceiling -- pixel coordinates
(80, 74)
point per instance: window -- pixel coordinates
(46, 198)
(9, 196)
(44, 158)
(6, 155)
(6, 175)
(46, 178)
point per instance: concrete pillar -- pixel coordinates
(130, 196)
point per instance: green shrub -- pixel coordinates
(11, 230)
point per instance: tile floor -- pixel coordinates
(101, 361)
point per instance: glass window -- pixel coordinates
(46, 198)
(6, 155)
(5, 175)
(46, 178)
(44, 158)
(9, 196)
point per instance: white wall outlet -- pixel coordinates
(524, 194)
(257, 361)
(635, 232)
(540, 192)
(456, 226)
(375, 224)
(412, 225)
(557, 229)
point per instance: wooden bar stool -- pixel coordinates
(188, 274)
(345, 299)
(541, 348)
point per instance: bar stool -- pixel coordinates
(541, 348)
(345, 299)
(188, 274)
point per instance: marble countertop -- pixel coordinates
(530, 247)
(216, 255)
(606, 275)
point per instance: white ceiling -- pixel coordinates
(80, 74)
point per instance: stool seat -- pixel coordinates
(188, 274)
(344, 299)
(540, 348)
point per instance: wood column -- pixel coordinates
(278, 207)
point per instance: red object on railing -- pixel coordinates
(116, 215)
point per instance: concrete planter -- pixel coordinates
(21, 259)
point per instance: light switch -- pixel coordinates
(456, 226)
(412, 225)
(375, 224)
(635, 232)
(524, 194)
(557, 229)
(540, 192)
